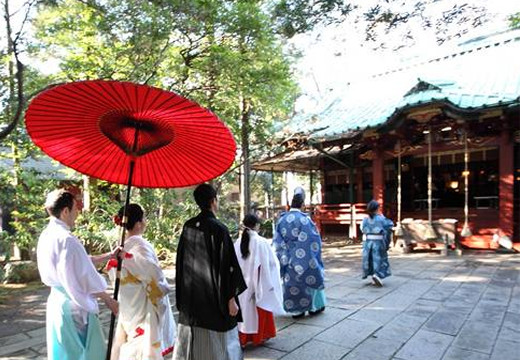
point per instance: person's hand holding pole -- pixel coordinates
(112, 304)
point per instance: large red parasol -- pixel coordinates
(130, 134)
(90, 126)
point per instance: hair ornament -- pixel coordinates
(117, 220)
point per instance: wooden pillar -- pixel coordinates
(322, 181)
(273, 205)
(505, 187)
(378, 178)
(311, 186)
(359, 182)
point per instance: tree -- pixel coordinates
(21, 194)
(221, 54)
(378, 19)
(293, 17)
(14, 101)
(253, 82)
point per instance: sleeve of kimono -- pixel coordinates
(387, 225)
(364, 229)
(142, 263)
(268, 293)
(231, 281)
(277, 240)
(179, 273)
(278, 248)
(78, 275)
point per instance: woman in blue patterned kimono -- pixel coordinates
(376, 230)
(298, 247)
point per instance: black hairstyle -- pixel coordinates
(134, 213)
(57, 201)
(372, 208)
(204, 195)
(297, 201)
(250, 221)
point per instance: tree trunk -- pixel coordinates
(16, 251)
(12, 53)
(245, 198)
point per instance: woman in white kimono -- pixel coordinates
(263, 296)
(145, 328)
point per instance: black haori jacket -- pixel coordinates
(207, 274)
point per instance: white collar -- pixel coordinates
(59, 222)
(134, 239)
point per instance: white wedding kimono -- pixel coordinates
(73, 328)
(261, 271)
(145, 328)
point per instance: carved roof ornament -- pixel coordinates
(367, 155)
(424, 115)
(422, 86)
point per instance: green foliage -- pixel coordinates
(20, 272)
(23, 192)
(266, 229)
(95, 226)
(218, 53)
(298, 16)
(447, 20)
(28, 212)
(166, 212)
(514, 21)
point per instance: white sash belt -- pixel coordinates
(374, 237)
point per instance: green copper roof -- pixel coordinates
(479, 74)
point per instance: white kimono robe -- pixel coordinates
(73, 329)
(145, 328)
(261, 271)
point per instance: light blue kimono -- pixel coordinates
(298, 247)
(375, 256)
(63, 338)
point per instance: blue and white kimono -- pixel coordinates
(376, 235)
(297, 245)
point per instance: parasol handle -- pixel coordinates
(122, 244)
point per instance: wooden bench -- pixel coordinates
(340, 214)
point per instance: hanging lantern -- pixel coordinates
(398, 229)
(465, 229)
(429, 233)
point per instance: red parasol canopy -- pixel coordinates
(90, 126)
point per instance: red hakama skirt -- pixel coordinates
(266, 329)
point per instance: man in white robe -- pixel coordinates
(73, 328)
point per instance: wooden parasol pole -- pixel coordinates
(124, 221)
